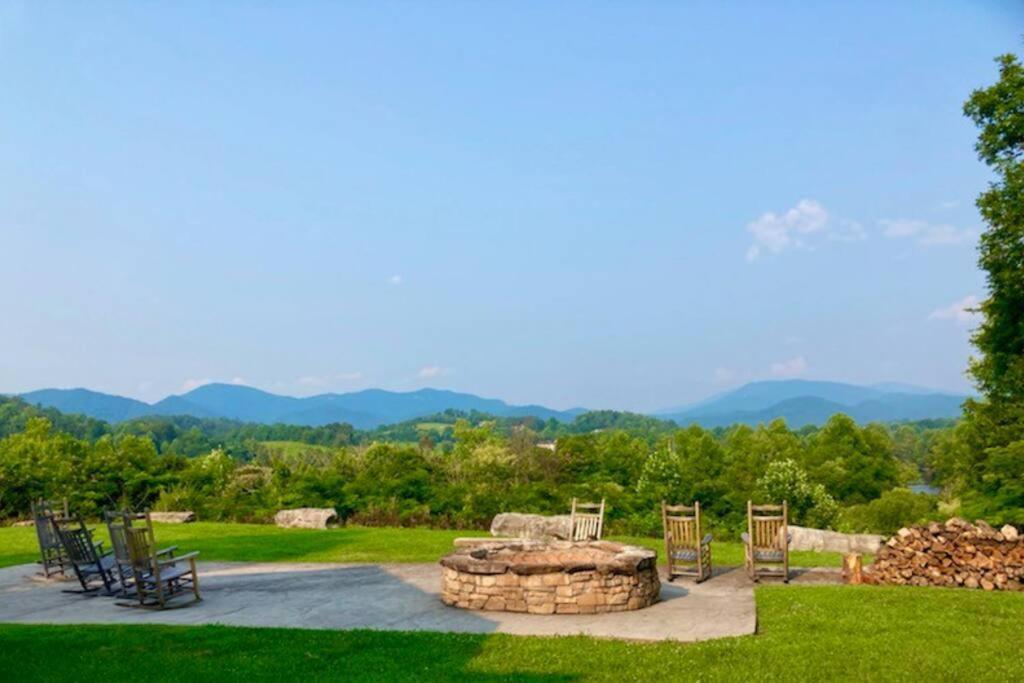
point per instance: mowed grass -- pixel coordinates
(267, 543)
(805, 633)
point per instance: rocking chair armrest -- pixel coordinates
(706, 540)
(166, 551)
(181, 558)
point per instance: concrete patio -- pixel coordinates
(398, 597)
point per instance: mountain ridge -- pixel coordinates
(803, 402)
(799, 402)
(362, 409)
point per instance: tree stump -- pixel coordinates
(853, 567)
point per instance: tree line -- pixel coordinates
(841, 475)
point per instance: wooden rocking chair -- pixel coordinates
(687, 553)
(587, 520)
(117, 521)
(51, 553)
(86, 556)
(158, 576)
(116, 524)
(766, 541)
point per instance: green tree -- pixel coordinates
(855, 464)
(996, 422)
(809, 503)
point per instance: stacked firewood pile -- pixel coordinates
(956, 553)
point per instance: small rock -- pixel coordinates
(173, 517)
(306, 518)
(1010, 532)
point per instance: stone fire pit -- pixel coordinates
(553, 577)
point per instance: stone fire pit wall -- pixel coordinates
(558, 577)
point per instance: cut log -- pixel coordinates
(853, 569)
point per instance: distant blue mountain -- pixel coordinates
(804, 402)
(799, 402)
(362, 409)
(92, 403)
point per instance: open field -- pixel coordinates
(805, 633)
(267, 543)
(294, 448)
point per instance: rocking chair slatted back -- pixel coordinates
(43, 514)
(587, 520)
(118, 539)
(85, 555)
(78, 544)
(681, 524)
(51, 552)
(767, 531)
(141, 548)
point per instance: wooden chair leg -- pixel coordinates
(195, 580)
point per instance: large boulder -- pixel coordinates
(173, 517)
(821, 540)
(540, 527)
(306, 518)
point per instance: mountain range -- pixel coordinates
(804, 402)
(799, 402)
(362, 409)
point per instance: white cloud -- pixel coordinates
(960, 312)
(430, 372)
(396, 280)
(790, 368)
(190, 384)
(238, 380)
(314, 381)
(776, 233)
(925, 233)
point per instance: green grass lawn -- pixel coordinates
(805, 633)
(267, 543)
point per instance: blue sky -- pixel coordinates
(625, 205)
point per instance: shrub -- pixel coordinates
(894, 509)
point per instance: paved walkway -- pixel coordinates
(398, 597)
